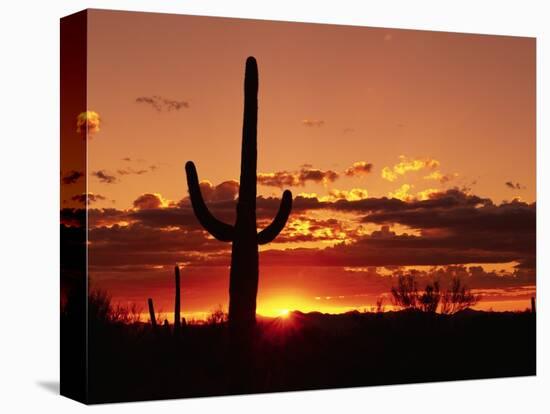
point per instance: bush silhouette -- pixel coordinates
(429, 300)
(454, 299)
(458, 297)
(405, 294)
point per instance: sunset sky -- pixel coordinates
(406, 151)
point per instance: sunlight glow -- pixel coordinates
(283, 313)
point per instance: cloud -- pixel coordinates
(297, 178)
(407, 165)
(72, 177)
(130, 170)
(90, 197)
(107, 217)
(488, 221)
(451, 198)
(313, 122)
(104, 177)
(73, 217)
(150, 201)
(438, 176)
(161, 104)
(514, 186)
(307, 229)
(349, 195)
(358, 168)
(87, 123)
(402, 193)
(448, 236)
(447, 228)
(224, 191)
(131, 245)
(136, 171)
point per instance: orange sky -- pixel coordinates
(424, 113)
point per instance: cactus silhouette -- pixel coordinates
(152, 313)
(177, 317)
(243, 278)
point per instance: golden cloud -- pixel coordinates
(403, 193)
(355, 194)
(406, 165)
(151, 201)
(87, 123)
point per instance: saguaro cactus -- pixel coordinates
(243, 278)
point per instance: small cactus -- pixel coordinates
(243, 280)
(177, 318)
(152, 313)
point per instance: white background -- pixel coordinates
(29, 207)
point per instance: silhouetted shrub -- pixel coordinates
(458, 297)
(101, 310)
(217, 317)
(99, 307)
(429, 300)
(380, 304)
(405, 294)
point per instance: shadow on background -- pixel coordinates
(51, 386)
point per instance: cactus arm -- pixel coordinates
(217, 228)
(270, 232)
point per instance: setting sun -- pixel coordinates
(283, 313)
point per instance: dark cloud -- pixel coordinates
(92, 198)
(507, 217)
(73, 217)
(129, 171)
(107, 217)
(133, 245)
(297, 178)
(104, 176)
(136, 171)
(449, 228)
(514, 186)
(313, 122)
(451, 198)
(386, 248)
(161, 104)
(224, 191)
(358, 168)
(72, 177)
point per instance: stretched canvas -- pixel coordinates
(256, 206)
